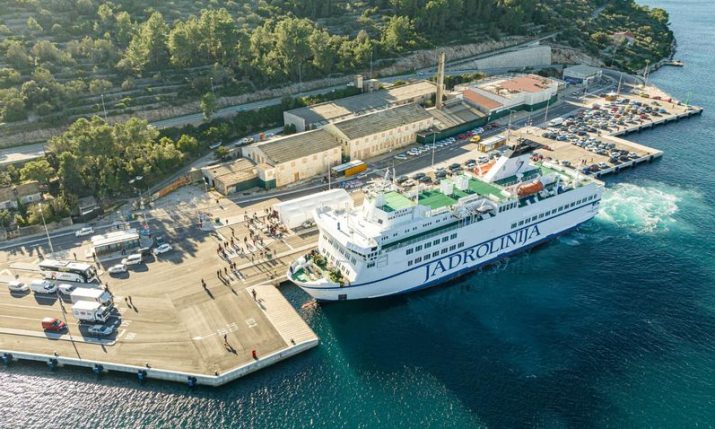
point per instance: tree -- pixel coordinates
(187, 144)
(208, 105)
(291, 37)
(147, 49)
(39, 170)
(17, 56)
(34, 26)
(221, 153)
(398, 34)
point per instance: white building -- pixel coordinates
(370, 135)
(293, 213)
(581, 74)
(528, 92)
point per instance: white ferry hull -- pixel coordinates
(458, 262)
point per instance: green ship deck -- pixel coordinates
(435, 199)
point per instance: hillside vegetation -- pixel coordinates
(64, 59)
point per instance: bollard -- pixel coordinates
(141, 376)
(191, 382)
(97, 369)
(52, 363)
(6, 359)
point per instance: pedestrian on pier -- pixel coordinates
(255, 296)
(225, 340)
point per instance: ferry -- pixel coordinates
(401, 240)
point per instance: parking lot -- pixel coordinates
(172, 310)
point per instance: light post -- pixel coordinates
(139, 190)
(49, 241)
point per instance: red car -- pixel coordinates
(53, 325)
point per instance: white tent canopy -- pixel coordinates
(293, 213)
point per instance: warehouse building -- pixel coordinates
(295, 157)
(230, 177)
(311, 117)
(379, 132)
(582, 74)
(497, 97)
(453, 118)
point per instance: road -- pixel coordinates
(21, 153)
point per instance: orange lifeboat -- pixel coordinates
(526, 189)
(482, 169)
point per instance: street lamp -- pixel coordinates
(42, 214)
(132, 182)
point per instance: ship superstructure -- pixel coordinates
(400, 240)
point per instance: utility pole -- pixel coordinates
(620, 79)
(546, 113)
(104, 108)
(42, 213)
(434, 137)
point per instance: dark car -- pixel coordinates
(455, 166)
(402, 179)
(425, 179)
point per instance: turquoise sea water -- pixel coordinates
(611, 326)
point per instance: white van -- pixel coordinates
(132, 259)
(43, 286)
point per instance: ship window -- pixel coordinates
(452, 247)
(513, 225)
(435, 254)
(573, 204)
(409, 263)
(436, 242)
(521, 222)
(443, 251)
(453, 236)
(533, 218)
(409, 251)
(371, 264)
(418, 260)
(427, 257)
(428, 245)
(445, 239)
(460, 245)
(541, 215)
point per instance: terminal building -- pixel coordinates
(286, 160)
(581, 74)
(497, 97)
(311, 117)
(379, 132)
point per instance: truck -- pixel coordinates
(93, 295)
(348, 169)
(91, 311)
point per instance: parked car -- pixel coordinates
(133, 259)
(166, 247)
(400, 156)
(87, 230)
(52, 324)
(17, 286)
(66, 288)
(43, 287)
(117, 269)
(101, 330)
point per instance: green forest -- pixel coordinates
(64, 59)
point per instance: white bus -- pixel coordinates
(78, 272)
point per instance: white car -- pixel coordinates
(166, 247)
(17, 286)
(117, 269)
(132, 259)
(87, 230)
(101, 330)
(400, 156)
(66, 289)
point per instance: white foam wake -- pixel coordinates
(642, 209)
